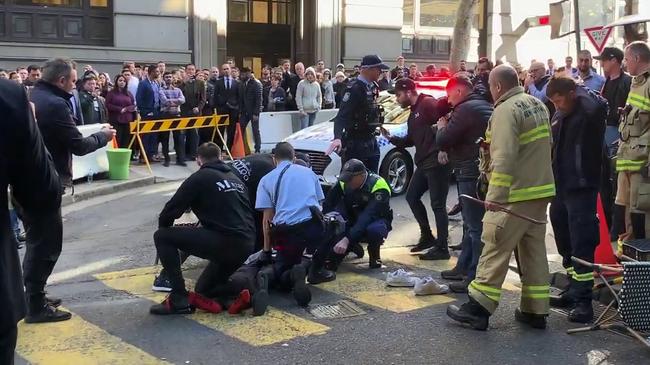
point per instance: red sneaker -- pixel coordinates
(242, 302)
(206, 304)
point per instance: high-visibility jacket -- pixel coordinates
(635, 129)
(519, 160)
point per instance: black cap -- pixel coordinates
(610, 52)
(351, 169)
(403, 85)
(371, 61)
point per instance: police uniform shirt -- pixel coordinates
(352, 100)
(299, 189)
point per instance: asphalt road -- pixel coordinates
(104, 277)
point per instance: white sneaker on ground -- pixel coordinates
(428, 286)
(400, 278)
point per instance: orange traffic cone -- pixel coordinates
(237, 150)
(604, 253)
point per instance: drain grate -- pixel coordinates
(340, 309)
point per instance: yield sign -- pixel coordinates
(598, 36)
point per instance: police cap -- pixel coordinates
(372, 61)
(351, 169)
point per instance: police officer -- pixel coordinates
(363, 198)
(290, 220)
(359, 116)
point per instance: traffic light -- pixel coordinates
(538, 21)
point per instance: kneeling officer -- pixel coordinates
(363, 198)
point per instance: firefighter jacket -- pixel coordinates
(635, 128)
(519, 135)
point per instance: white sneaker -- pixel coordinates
(400, 278)
(428, 286)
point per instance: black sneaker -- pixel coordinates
(179, 305)
(459, 286)
(534, 320)
(435, 253)
(582, 313)
(470, 313)
(453, 274)
(322, 275)
(300, 290)
(424, 243)
(47, 314)
(162, 284)
(357, 249)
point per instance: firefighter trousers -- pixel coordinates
(502, 233)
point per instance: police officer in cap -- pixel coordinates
(359, 116)
(363, 199)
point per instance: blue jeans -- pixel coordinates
(473, 218)
(307, 120)
(611, 135)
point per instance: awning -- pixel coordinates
(629, 19)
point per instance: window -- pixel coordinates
(79, 22)
(259, 11)
(408, 12)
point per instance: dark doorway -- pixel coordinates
(259, 32)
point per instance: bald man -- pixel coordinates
(518, 166)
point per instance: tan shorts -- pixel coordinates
(628, 188)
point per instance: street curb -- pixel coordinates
(110, 189)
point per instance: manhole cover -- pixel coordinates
(340, 309)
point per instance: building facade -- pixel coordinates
(252, 33)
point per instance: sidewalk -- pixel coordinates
(139, 176)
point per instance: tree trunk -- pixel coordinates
(634, 32)
(462, 31)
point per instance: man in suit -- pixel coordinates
(226, 100)
(250, 102)
(148, 100)
(27, 167)
(195, 96)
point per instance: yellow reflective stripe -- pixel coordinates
(379, 185)
(342, 184)
(588, 276)
(629, 165)
(532, 193)
(492, 293)
(570, 271)
(535, 287)
(638, 101)
(488, 136)
(536, 295)
(534, 134)
(498, 179)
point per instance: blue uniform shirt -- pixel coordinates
(299, 190)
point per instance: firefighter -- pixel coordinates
(521, 179)
(632, 156)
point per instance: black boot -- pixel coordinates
(299, 288)
(562, 301)
(357, 249)
(426, 241)
(582, 313)
(459, 286)
(534, 320)
(175, 303)
(260, 299)
(470, 313)
(40, 311)
(318, 274)
(375, 259)
(453, 274)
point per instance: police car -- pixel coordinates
(395, 164)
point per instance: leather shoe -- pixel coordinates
(53, 301)
(453, 274)
(48, 314)
(459, 286)
(435, 253)
(317, 276)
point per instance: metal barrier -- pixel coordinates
(140, 127)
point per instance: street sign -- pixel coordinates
(598, 36)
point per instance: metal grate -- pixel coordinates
(319, 161)
(611, 312)
(340, 309)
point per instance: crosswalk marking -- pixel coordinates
(274, 327)
(77, 341)
(374, 292)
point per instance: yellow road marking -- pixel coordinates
(76, 341)
(374, 292)
(274, 327)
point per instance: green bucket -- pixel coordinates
(118, 163)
